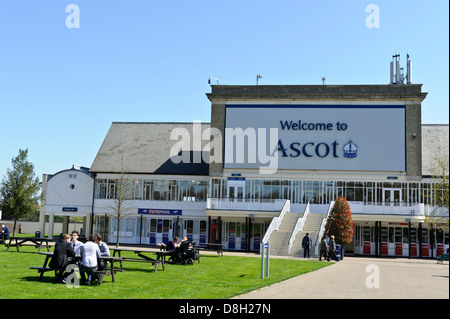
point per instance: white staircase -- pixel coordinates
(312, 226)
(279, 240)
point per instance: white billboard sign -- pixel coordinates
(316, 137)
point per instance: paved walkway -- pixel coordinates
(399, 278)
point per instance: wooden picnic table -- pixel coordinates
(160, 255)
(38, 242)
(49, 255)
(213, 246)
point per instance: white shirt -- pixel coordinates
(76, 246)
(89, 254)
(104, 250)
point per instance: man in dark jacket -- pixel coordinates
(307, 245)
(323, 248)
(61, 255)
(332, 253)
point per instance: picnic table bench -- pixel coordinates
(211, 246)
(441, 258)
(160, 256)
(108, 271)
(19, 241)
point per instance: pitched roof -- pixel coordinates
(434, 145)
(145, 148)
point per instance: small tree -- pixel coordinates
(340, 224)
(19, 190)
(123, 194)
(438, 194)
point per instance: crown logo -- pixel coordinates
(350, 150)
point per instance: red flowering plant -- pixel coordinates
(339, 222)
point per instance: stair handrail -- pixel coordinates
(322, 227)
(298, 228)
(276, 221)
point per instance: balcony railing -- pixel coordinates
(357, 207)
(388, 208)
(245, 204)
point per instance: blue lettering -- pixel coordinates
(309, 149)
(327, 150)
(281, 148)
(296, 150)
(304, 150)
(298, 126)
(335, 143)
(286, 124)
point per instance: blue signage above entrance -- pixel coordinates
(171, 212)
(70, 209)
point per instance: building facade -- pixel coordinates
(270, 152)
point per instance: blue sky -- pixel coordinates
(149, 61)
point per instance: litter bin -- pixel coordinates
(37, 234)
(338, 252)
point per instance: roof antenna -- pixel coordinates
(323, 80)
(396, 71)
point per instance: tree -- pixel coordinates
(438, 198)
(339, 223)
(123, 193)
(19, 190)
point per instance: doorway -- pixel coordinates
(392, 196)
(236, 186)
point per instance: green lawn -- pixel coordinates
(213, 278)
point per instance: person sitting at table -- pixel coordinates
(172, 244)
(75, 243)
(60, 258)
(89, 255)
(5, 232)
(104, 250)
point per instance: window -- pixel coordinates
(203, 227)
(366, 233)
(153, 225)
(413, 235)
(391, 234)
(398, 234)
(424, 236)
(111, 189)
(148, 190)
(384, 234)
(405, 235)
(190, 226)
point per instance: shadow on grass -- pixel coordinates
(45, 280)
(23, 252)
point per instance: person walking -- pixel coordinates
(306, 245)
(332, 253)
(323, 248)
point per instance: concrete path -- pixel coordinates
(365, 278)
